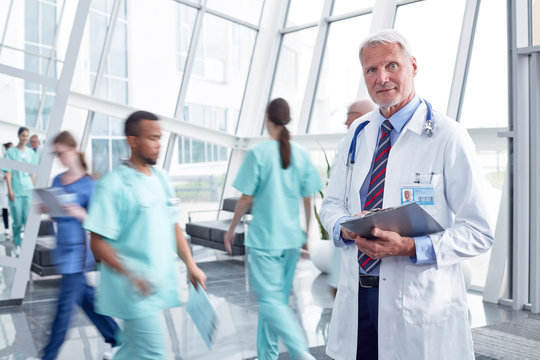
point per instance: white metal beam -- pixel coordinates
(534, 135)
(519, 101)
(184, 128)
(17, 165)
(28, 76)
(463, 59)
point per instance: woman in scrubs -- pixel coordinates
(72, 255)
(20, 185)
(274, 177)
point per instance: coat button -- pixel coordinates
(384, 279)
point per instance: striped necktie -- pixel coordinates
(374, 198)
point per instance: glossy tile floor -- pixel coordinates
(24, 329)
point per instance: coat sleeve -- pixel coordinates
(332, 207)
(471, 233)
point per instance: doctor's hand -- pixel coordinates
(346, 234)
(388, 243)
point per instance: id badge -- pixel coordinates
(422, 194)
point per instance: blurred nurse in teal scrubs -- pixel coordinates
(20, 185)
(275, 176)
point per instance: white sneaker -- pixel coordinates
(17, 250)
(109, 355)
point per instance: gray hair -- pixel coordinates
(385, 37)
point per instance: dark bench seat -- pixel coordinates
(211, 233)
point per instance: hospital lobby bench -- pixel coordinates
(211, 233)
(42, 262)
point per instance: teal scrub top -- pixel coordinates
(21, 182)
(131, 212)
(276, 194)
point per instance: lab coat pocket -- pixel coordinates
(428, 294)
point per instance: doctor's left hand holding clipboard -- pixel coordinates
(203, 314)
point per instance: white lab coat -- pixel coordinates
(422, 308)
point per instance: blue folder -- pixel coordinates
(203, 314)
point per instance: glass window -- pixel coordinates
(487, 80)
(293, 69)
(225, 63)
(304, 11)
(31, 108)
(97, 32)
(340, 77)
(120, 152)
(435, 51)
(117, 59)
(100, 125)
(155, 72)
(48, 23)
(197, 184)
(487, 70)
(247, 10)
(100, 157)
(31, 22)
(345, 6)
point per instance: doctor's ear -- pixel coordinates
(414, 65)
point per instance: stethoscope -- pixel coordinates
(429, 129)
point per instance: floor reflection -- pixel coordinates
(24, 329)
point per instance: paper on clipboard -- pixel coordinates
(407, 220)
(54, 198)
(203, 314)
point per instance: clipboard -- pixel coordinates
(203, 314)
(54, 198)
(407, 220)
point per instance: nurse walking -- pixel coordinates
(274, 177)
(20, 185)
(72, 255)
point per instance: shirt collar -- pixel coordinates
(402, 117)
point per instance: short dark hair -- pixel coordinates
(132, 124)
(22, 129)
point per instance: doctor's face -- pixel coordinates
(389, 76)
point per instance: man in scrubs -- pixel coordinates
(134, 231)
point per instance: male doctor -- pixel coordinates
(401, 297)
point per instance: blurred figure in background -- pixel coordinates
(274, 177)
(356, 110)
(4, 194)
(72, 255)
(35, 145)
(20, 185)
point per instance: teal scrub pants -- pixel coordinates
(271, 274)
(142, 339)
(19, 209)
